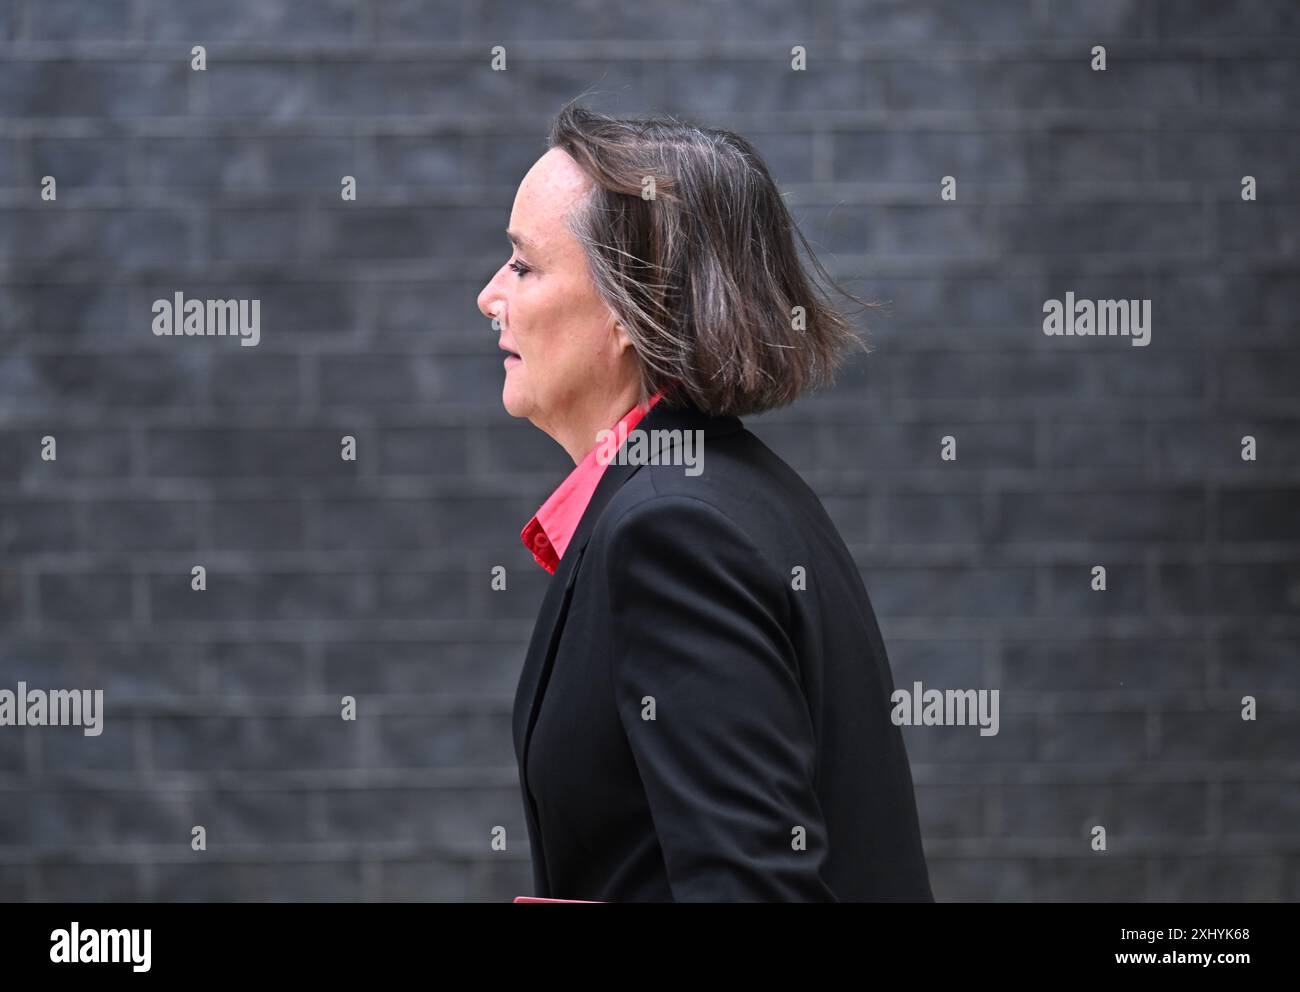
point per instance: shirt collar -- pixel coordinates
(548, 533)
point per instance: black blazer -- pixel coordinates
(771, 770)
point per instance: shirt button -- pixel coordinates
(539, 541)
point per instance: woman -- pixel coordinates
(703, 712)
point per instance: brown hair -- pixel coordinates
(690, 244)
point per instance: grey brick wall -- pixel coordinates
(330, 578)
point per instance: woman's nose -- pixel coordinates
(488, 303)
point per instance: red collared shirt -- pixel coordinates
(553, 526)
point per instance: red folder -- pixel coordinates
(540, 899)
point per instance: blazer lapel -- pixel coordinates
(555, 604)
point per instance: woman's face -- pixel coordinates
(570, 356)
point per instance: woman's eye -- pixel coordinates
(520, 268)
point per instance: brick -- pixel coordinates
(1250, 663)
(1027, 85)
(982, 880)
(100, 89)
(1258, 84)
(302, 163)
(826, 84)
(244, 379)
(1272, 19)
(1261, 515)
(925, 157)
(1118, 736)
(1221, 735)
(1014, 742)
(954, 591)
(71, 312)
(85, 596)
(1106, 18)
(877, 446)
(83, 163)
(1118, 446)
(27, 526)
(372, 379)
(1169, 515)
(1139, 665)
(926, 518)
(210, 880)
(234, 452)
(64, 749)
(958, 229)
(257, 668)
(86, 882)
(141, 525)
(256, 743)
(927, 310)
(1259, 808)
(1069, 591)
(1271, 231)
(417, 311)
(372, 525)
(433, 161)
(405, 20)
(129, 239)
(446, 740)
(1222, 158)
(66, 20)
(43, 383)
(143, 815)
(403, 668)
(51, 663)
(1091, 877)
(248, 816)
(1129, 812)
(487, 524)
(1072, 228)
(671, 21)
(292, 21)
(951, 811)
(433, 595)
(1270, 375)
(1255, 589)
(259, 525)
(263, 595)
(371, 90)
(134, 671)
(893, 21)
(459, 820)
(442, 880)
(262, 234)
(1219, 879)
(360, 232)
(947, 663)
(1075, 155)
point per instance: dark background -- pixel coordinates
(372, 578)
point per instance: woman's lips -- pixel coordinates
(512, 358)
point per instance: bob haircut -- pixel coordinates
(690, 244)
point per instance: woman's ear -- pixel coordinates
(620, 333)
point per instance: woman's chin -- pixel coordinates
(512, 401)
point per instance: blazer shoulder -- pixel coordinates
(687, 527)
